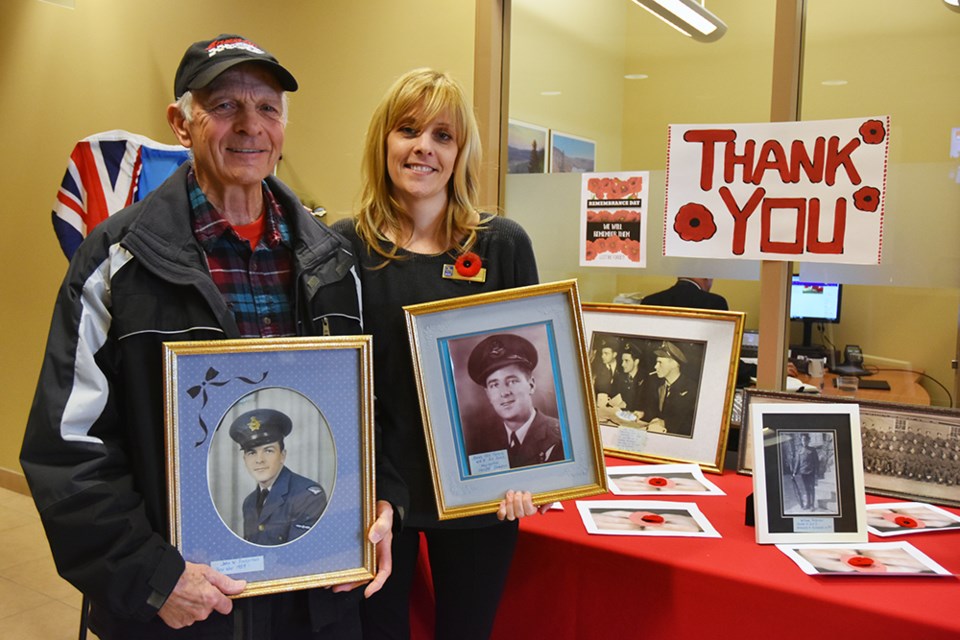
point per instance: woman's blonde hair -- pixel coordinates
(420, 95)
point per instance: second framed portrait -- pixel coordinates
(808, 478)
(505, 397)
(664, 380)
(270, 461)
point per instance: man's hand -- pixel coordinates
(617, 402)
(199, 591)
(657, 426)
(381, 534)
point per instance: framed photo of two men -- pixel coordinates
(505, 396)
(270, 459)
(664, 380)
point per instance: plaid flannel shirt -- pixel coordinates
(255, 283)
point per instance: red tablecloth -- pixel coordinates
(565, 584)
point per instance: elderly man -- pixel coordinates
(503, 365)
(671, 404)
(285, 505)
(222, 249)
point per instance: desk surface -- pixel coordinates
(567, 585)
(904, 387)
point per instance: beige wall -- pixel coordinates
(109, 64)
(556, 53)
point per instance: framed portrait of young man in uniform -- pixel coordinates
(504, 393)
(270, 462)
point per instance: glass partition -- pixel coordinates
(610, 72)
(886, 57)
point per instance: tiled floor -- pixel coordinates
(35, 603)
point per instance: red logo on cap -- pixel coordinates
(217, 46)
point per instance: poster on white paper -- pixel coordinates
(613, 219)
(783, 191)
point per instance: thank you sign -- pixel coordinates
(800, 191)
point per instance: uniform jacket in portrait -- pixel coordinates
(293, 505)
(806, 462)
(605, 379)
(632, 390)
(93, 452)
(679, 405)
(543, 442)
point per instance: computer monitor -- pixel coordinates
(812, 302)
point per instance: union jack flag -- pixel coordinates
(107, 172)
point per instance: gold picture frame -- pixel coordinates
(461, 348)
(220, 397)
(638, 420)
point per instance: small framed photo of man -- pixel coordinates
(505, 397)
(808, 474)
(663, 380)
(270, 464)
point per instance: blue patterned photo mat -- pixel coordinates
(328, 377)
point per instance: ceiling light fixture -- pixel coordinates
(688, 17)
(636, 76)
(551, 93)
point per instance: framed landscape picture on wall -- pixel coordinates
(571, 154)
(527, 148)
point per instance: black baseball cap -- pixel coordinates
(207, 59)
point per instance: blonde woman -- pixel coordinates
(418, 216)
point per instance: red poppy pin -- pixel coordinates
(645, 518)
(860, 561)
(907, 522)
(468, 266)
(657, 481)
(863, 564)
